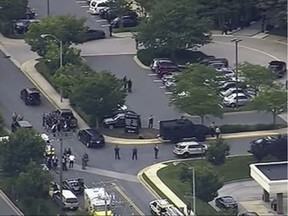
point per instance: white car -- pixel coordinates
(230, 91)
(232, 100)
(96, 6)
(186, 149)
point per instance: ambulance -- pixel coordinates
(97, 202)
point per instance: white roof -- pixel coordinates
(188, 143)
(45, 137)
(4, 138)
(162, 202)
(68, 194)
(98, 196)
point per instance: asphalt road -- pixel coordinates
(5, 207)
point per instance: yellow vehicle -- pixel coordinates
(97, 202)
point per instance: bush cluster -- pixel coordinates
(247, 128)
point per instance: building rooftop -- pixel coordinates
(274, 172)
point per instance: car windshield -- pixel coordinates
(231, 96)
(102, 5)
(74, 183)
(35, 95)
(228, 200)
(180, 146)
(166, 63)
(67, 114)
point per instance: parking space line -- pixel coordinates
(84, 6)
(168, 93)
(81, 2)
(122, 193)
(106, 25)
(162, 87)
(152, 74)
(101, 20)
(157, 81)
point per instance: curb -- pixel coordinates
(8, 55)
(10, 204)
(140, 64)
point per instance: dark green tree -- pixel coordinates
(120, 7)
(65, 28)
(217, 152)
(12, 9)
(279, 148)
(272, 100)
(206, 179)
(173, 25)
(22, 147)
(98, 94)
(33, 182)
(256, 76)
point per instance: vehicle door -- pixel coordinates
(86, 137)
(242, 100)
(193, 149)
(120, 121)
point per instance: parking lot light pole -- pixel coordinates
(48, 8)
(192, 180)
(236, 41)
(60, 56)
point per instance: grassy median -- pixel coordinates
(235, 168)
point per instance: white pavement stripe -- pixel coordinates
(157, 81)
(168, 93)
(107, 173)
(106, 25)
(101, 20)
(84, 6)
(81, 2)
(162, 87)
(152, 74)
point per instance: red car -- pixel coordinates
(163, 66)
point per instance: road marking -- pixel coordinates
(157, 81)
(120, 191)
(152, 74)
(84, 6)
(249, 48)
(81, 2)
(168, 93)
(162, 87)
(101, 20)
(106, 25)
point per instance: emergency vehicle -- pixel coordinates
(97, 202)
(163, 208)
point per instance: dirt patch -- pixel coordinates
(146, 133)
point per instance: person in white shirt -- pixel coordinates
(71, 160)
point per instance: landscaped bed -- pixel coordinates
(145, 133)
(235, 168)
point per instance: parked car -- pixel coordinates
(230, 91)
(22, 25)
(279, 68)
(226, 202)
(218, 66)
(76, 185)
(178, 129)
(117, 121)
(263, 143)
(30, 96)
(108, 14)
(212, 59)
(91, 34)
(91, 138)
(227, 85)
(231, 100)
(163, 66)
(170, 82)
(186, 149)
(124, 21)
(96, 5)
(20, 124)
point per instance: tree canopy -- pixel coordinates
(21, 148)
(195, 92)
(12, 9)
(68, 29)
(272, 100)
(33, 182)
(174, 26)
(217, 152)
(256, 76)
(120, 7)
(98, 94)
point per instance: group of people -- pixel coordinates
(127, 84)
(51, 160)
(16, 117)
(134, 152)
(67, 157)
(51, 123)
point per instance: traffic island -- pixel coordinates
(144, 133)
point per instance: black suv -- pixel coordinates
(30, 96)
(20, 124)
(67, 115)
(91, 138)
(278, 68)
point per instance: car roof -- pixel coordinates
(227, 198)
(188, 143)
(24, 124)
(68, 194)
(92, 131)
(65, 110)
(32, 90)
(277, 62)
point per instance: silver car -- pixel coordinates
(232, 99)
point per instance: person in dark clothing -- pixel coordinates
(43, 119)
(110, 30)
(137, 43)
(134, 154)
(68, 152)
(125, 83)
(212, 129)
(64, 163)
(156, 151)
(83, 163)
(225, 29)
(129, 85)
(14, 117)
(150, 121)
(117, 152)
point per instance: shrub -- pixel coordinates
(180, 57)
(247, 128)
(217, 152)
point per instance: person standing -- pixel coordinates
(43, 119)
(217, 132)
(212, 129)
(110, 30)
(125, 83)
(129, 85)
(134, 153)
(150, 121)
(156, 151)
(64, 163)
(71, 160)
(117, 152)
(14, 117)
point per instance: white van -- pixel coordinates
(96, 6)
